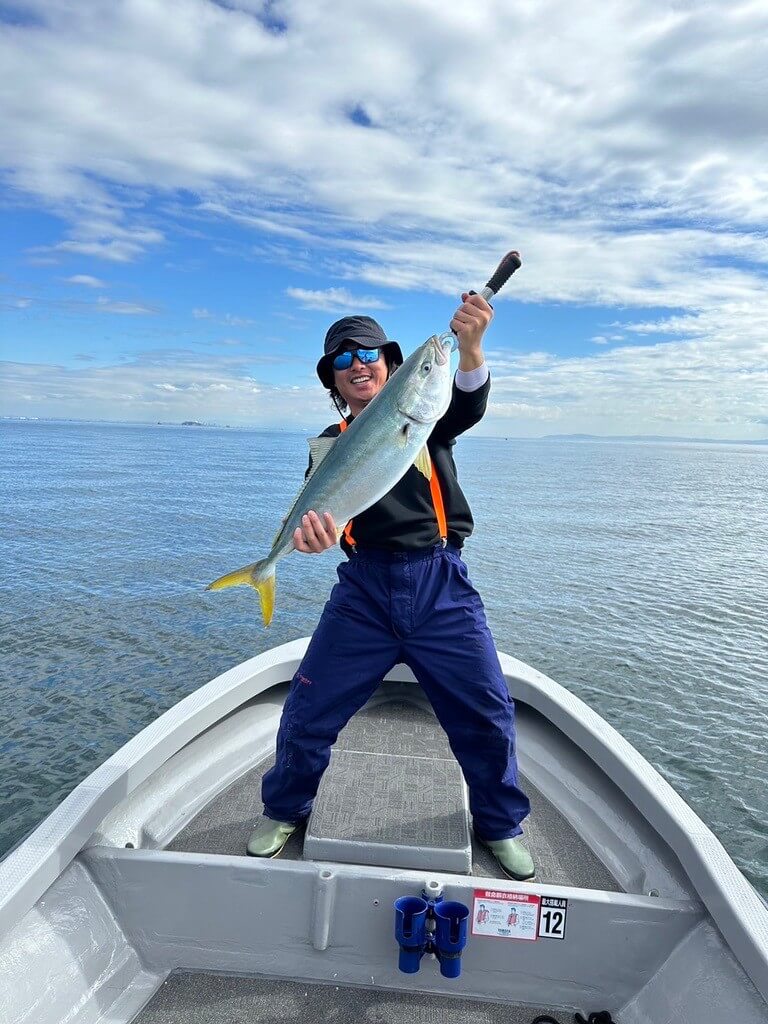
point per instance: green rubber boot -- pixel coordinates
(514, 859)
(269, 837)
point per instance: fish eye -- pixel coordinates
(426, 367)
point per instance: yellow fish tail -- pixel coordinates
(255, 577)
(266, 589)
(234, 579)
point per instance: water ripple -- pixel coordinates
(632, 574)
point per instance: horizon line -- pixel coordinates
(575, 436)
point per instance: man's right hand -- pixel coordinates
(315, 535)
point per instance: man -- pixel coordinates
(403, 596)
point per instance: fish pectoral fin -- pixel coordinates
(402, 435)
(423, 463)
(318, 449)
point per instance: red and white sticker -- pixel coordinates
(506, 915)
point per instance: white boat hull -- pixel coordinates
(98, 907)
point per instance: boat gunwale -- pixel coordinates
(732, 902)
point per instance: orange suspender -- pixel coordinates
(437, 501)
(348, 528)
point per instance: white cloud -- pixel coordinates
(86, 280)
(641, 116)
(105, 240)
(522, 411)
(79, 307)
(714, 383)
(711, 384)
(169, 385)
(625, 155)
(105, 305)
(225, 318)
(236, 321)
(334, 300)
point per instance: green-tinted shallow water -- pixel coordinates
(634, 574)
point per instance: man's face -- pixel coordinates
(360, 382)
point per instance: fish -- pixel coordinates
(353, 471)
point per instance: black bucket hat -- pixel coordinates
(365, 332)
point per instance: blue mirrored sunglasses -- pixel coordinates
(343, 360)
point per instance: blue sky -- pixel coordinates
(191, 192)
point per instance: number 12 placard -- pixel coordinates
(552, 917)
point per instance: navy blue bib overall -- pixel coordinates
(418, 608)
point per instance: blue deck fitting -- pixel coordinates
(450, 935)
(412, 917)
(410, 931)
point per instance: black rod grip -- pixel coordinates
(504, 271)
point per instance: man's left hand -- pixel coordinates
(469, 324)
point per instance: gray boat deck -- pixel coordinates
(217, 999)
(396, 727)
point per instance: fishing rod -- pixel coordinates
(509, 264)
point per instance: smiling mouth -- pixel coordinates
(360, 380)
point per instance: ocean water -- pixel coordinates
(632, 573)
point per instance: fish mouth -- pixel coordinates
(445, 344)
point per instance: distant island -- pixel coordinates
(191, 423)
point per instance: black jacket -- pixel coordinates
(405, 518)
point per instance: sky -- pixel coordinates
(191, 191)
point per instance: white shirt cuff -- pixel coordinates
(471, 380)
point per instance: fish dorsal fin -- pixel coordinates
(318, 449)
(423, 463)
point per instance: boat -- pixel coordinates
(133, 900)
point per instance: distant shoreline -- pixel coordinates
(641, 438)
(649, 437)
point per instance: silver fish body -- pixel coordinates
(352, 472)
